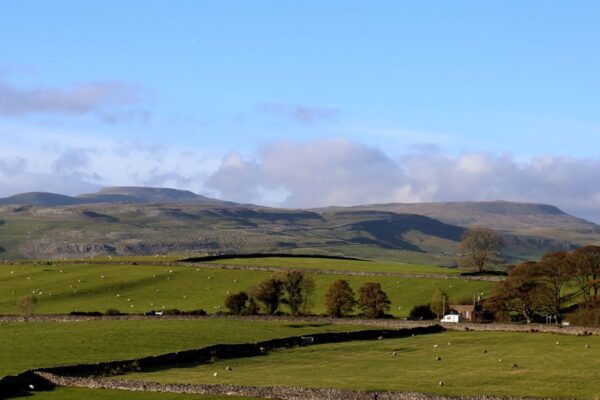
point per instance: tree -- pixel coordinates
(555, 269)
(585, 269)
(269, 292)
(339, 298)
(480, 248)
(299, 288)
(440, 304)
(522, 291)
(372, 300)
(236, 302)
(26, 305)
(421, 312)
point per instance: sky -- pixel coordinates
(305, 103)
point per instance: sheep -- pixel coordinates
(438, 358)
(228, 368)
(499, 360)
(394, 354)
(587, 346)
(514, 365)
(449, 343)
(557, 343)
(484, 352)
(435, 346)
(216, 374)
(440, 383)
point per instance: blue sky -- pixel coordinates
(207, 95)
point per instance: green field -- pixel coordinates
(101, 394)
(35, 345)
(544, 369)
(340, 265)
(139, 288)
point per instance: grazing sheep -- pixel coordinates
(484, 351)
(435, 346)
(587, 346)
(228, 368)
(514, 365)
(557, 343)
(440, 383)
(449, 343)
(499, 360)
(438, 358)
(380, 337)
(216, 374)
(393, 354)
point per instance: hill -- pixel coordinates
(146, 221)
(121, 194)
(515, 218)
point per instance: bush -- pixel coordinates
(87, 313)
(236, 302)
(112, 311)
(194, 312)
(421, 312)
(172, 311)
(26, 305)
(584, 316)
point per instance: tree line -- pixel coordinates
(560, 282)
(296, 290)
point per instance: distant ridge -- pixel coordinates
(121, 194)
(41, 199)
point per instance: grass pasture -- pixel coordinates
(101, 394)
(544, 369)
(340, 265)
(139, 288)
(35, 345)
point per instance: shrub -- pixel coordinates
(236, 302)
(421, 312)
(26, 305)
(172, 311)
(87, 313)
(194, 312)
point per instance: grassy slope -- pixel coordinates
(100, 394)
(343, 265)
(82, 288)
(34, 345)
(544, 369)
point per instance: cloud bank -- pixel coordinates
(344, 172)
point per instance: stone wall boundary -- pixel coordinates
(265, 392)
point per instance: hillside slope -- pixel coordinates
(515, 218)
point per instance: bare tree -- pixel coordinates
(480, 248)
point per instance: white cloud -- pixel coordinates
(111, 102)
